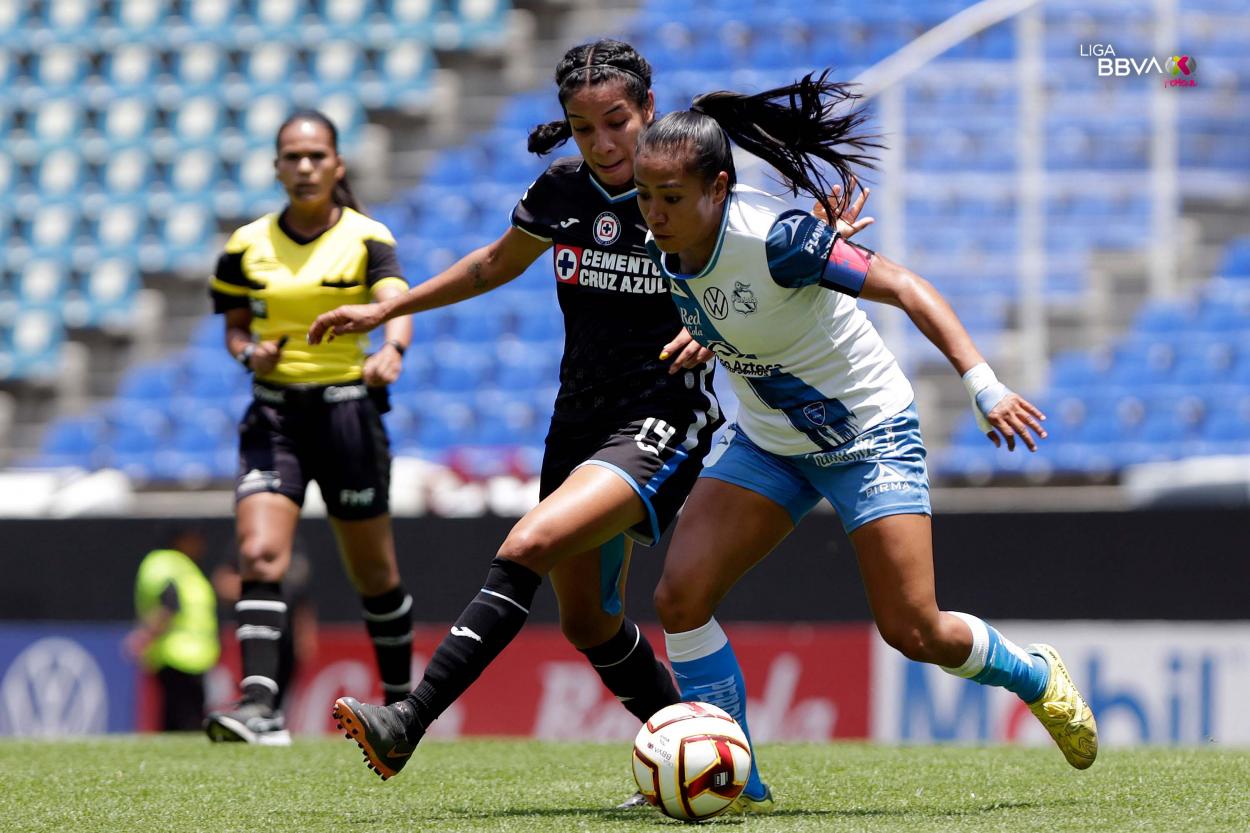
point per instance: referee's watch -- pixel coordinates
(399, 347)
(245, 355)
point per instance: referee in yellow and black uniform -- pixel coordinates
(316, 414)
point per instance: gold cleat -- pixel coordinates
(1064, 713)
(744, 805)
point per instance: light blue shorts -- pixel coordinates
(881, 472)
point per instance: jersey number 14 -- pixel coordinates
(663, 433)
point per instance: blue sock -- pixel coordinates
(707, 671)
(996, 660)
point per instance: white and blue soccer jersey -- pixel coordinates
(810, 371)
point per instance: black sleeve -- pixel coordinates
(382, 262)
(229, 274)
(534, 213)
(169, 598)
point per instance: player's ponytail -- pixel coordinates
(794, 128)
(591, 64)
(343, 194)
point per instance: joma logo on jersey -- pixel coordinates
(607, 228)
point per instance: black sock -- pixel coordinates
(388, 618)
(484, 628)
(261, 613)
(628, 667)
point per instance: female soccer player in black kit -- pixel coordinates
(629, 432)
(630, 429)
(315, 415)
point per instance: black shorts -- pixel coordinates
(660, 456)
(331, 434)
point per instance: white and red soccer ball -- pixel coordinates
(691, 760)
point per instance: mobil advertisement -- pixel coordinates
(1147, 683)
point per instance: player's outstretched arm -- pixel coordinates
(1001, 413)
(480, 271)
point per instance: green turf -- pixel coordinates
(169, 784)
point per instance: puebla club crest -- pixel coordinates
(744, 299)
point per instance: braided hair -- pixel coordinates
(591, 64)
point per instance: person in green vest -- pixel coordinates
(176, 634)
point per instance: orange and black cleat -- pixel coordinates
(381, 732)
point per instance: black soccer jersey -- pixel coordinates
(617, 310)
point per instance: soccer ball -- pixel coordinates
(691, 760)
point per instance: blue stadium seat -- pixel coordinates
(405, 68)
(128, 121)
(412, 19)
(121, 226)
(461, 368)
(57, 120)
(59, 68)
(53, 229)
(109, 290)
(131, 68)
(271, 67)
(128, 172)
(199, 67)
(443, 422)
(1236, 262)
(149, 384)
(338, 65)
(195, 173)
(527, 365)
(42, 285)
(72, 442)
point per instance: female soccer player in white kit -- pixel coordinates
(825, 410)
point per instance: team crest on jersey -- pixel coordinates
(567, 261)
(715, 302)
(607, 229)
(744, 298)
(815, 412)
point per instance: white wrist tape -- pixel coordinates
(985, 391)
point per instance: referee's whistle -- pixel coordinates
(282, 341)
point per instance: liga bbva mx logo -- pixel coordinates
(1181, 65)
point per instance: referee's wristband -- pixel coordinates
(399, 347)
(245, 355)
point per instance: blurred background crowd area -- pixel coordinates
(1092, 231)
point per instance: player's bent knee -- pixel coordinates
(588, 630)
(259, 560)
(529, 547)
(909, 640)
(682, 606)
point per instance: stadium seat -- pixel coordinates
(461, 368)
(72, 442)
(57, 121)
(128, 121)
(199, 67)
(109, 289)
(128, 172)
(131, 68)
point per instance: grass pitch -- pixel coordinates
(172, 784)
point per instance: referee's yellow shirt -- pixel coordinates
(287, 281)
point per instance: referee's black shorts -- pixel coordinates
(659, 455)
(331, 434)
